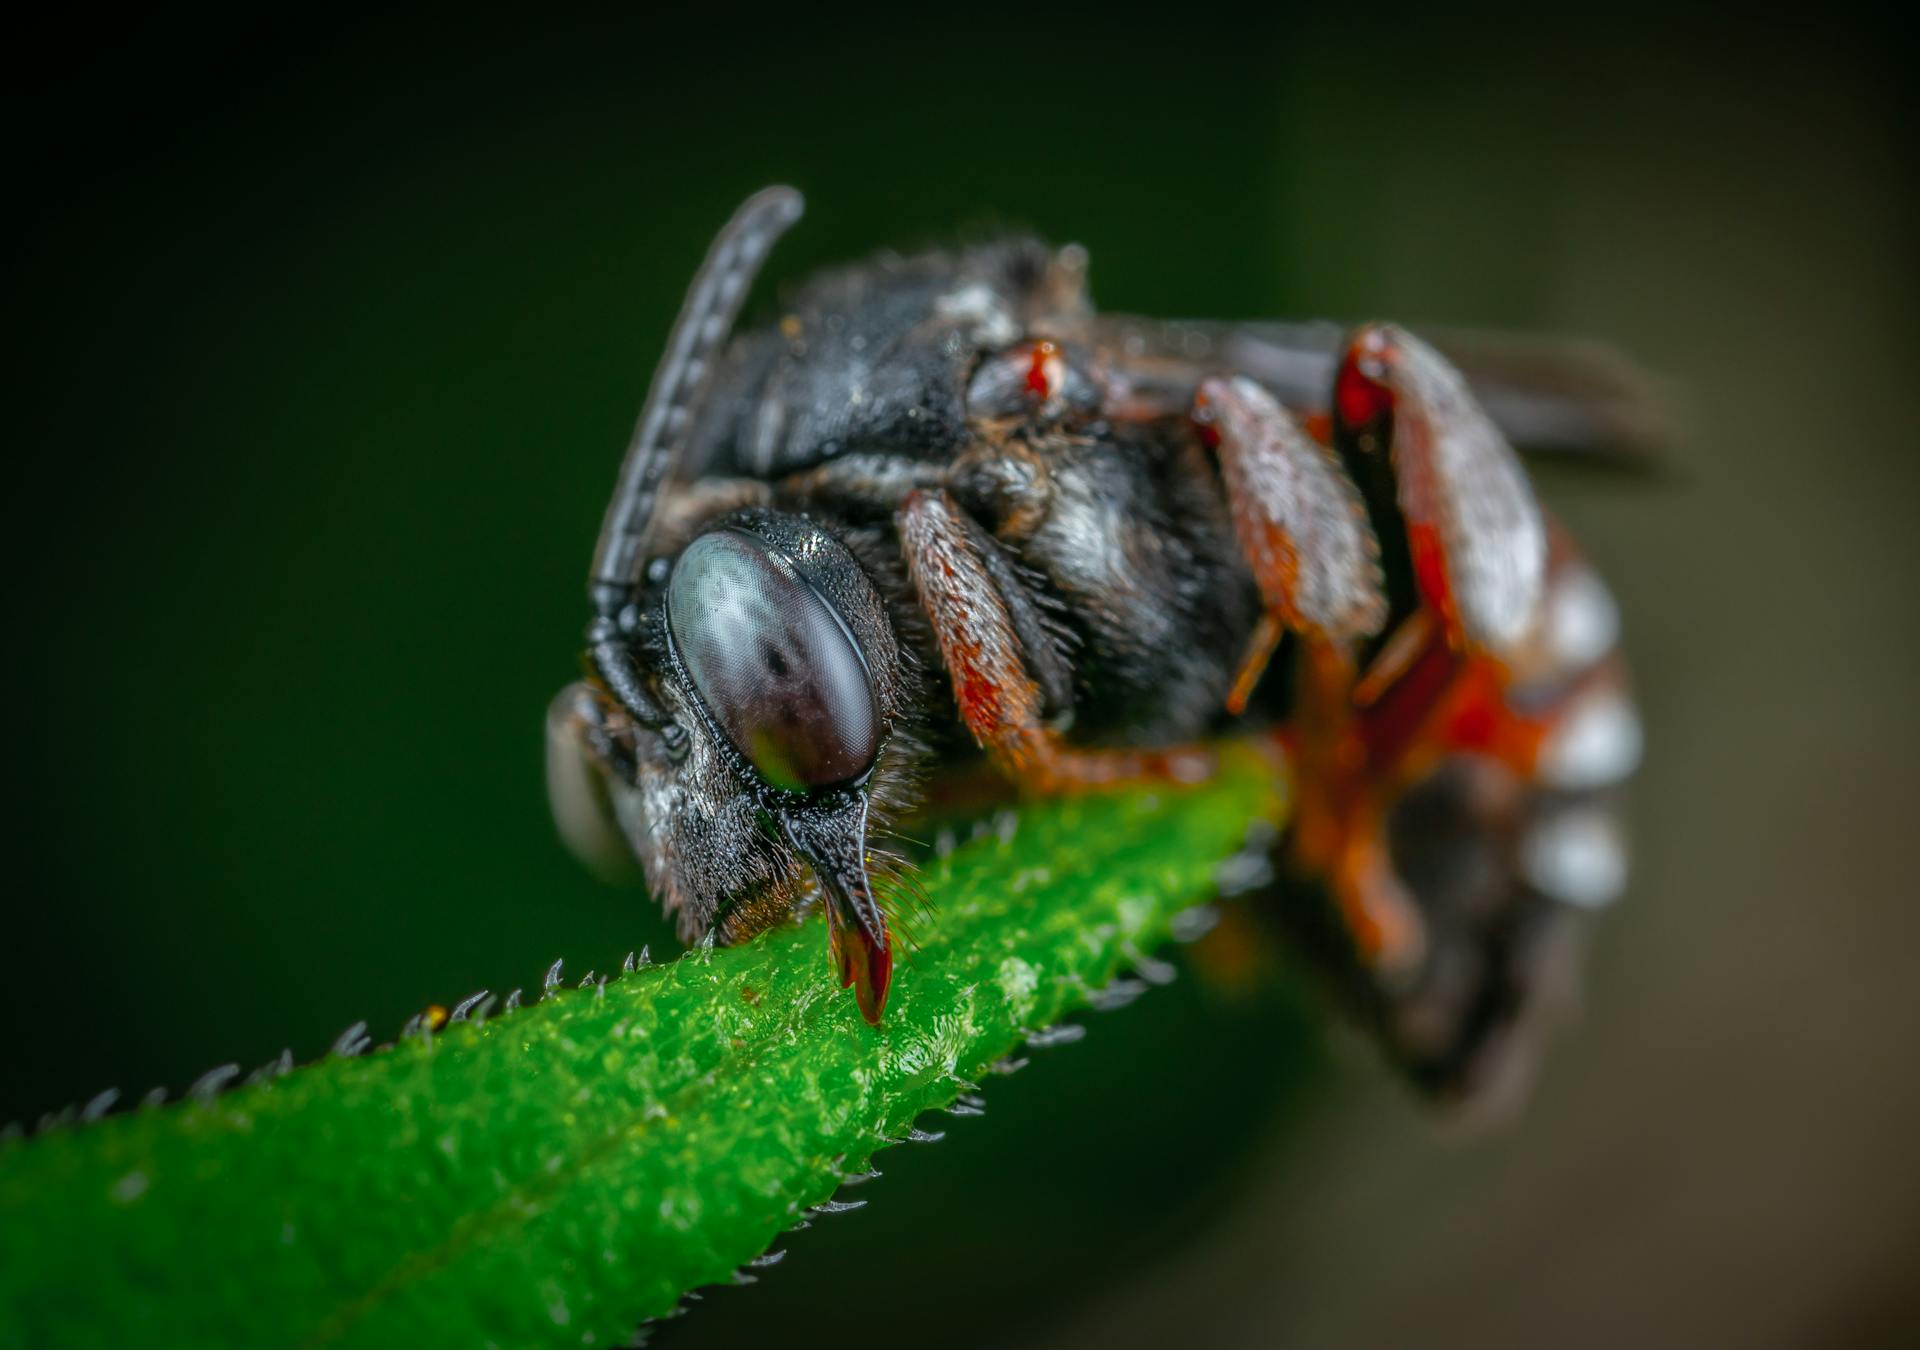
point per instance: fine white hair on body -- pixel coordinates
(1596, 743)
(1582, 620)
(976, 305)
(1577, 856)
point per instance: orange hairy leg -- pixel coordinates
(999, 701)
(1301, 525)
(1465, 550)
(1340, 801)
(1354, 761)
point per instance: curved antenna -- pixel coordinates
(706, 318)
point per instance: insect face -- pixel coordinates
(777, 661)
(739, 716)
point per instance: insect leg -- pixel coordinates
(1557, 721)
(1300, 522)
(1009, 485)
(1506, 841)
(1482, 737)
(1002, 484)
(999, 699)
(1341, 801)
(1464, 552)
(864, 485)
(1460, 531)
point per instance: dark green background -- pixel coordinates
(327, 334)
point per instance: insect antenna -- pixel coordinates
(706, 318)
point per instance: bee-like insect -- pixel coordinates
(942, 500)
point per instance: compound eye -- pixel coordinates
(773, 663)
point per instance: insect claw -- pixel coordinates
(353, 1041)
(512, 1004)
(98, 1105)
(965, 1108)
(464, 1008)
(551, 981)
(155, 1098)
(627, 966)
(915, 1135)
(860, 1178)
(1007, 1064)
(772, 1258)
(585, 980)
(416, 1025)
(646, 959)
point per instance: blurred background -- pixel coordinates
(326, 337)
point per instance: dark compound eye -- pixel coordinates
(775, 666)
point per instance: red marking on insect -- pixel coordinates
(1045, 370)
(1401, 717)
(1475, 723)
(979, 696)
(1360, 393)
(1430, 571)
(865, 967)
(1481, 720)
(1204, 421)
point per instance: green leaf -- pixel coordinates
(555, 1176)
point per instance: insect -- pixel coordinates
(942, 503)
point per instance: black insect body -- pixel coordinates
(943, 500)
